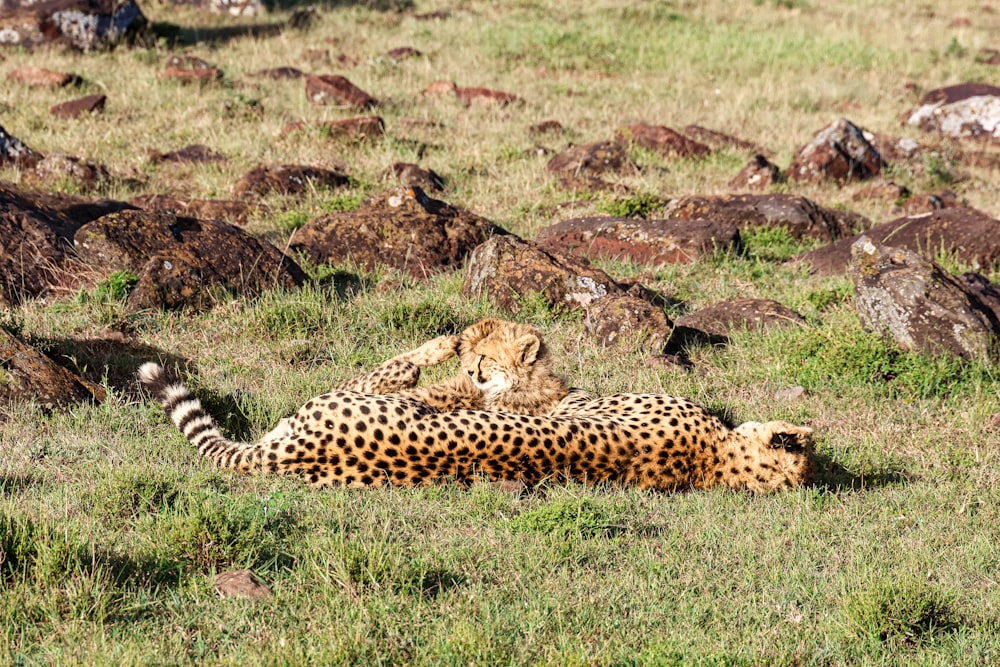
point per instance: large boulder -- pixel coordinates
(28, 375)
(177, 258)
(800, 216)
(652, 242)
(966, 110)
(839, 152)
(81, 24)
(402, 228)
(967, 234)
(918, 304)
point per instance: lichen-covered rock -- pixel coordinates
(594, 160)
(723, 318)
(626, 320)
(335, 89)
(966, 110)
(81, 24)
(918, 304)
(28, 375)
(759, 174)
(800, 216)
(661, 139)
(287, 179)
(652, 242)
(402, 228)
(839, 152)
(969, 235)
(14, 152)
(56, 168)
(178, 258)
(508, 270)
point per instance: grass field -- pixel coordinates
(112, 528)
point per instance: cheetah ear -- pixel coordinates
(794, 439)
(528, 345)
(475, 333)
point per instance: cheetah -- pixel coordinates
(362, 439)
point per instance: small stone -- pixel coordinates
(190, 68)
(287, 179)
(39, 77)
(546, 127)
(78, 107)
(194, 153)
(403, 52)
(886, 190)
(412, 174)
(790, 394)
(839, 152)
(594, 160)
(661, 139)
(759, 174)
(334, 89)
(241, 584)
(279, 73)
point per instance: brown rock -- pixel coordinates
(80, 24)
(408, 173)
(58, 168)
(232, 211)
(759, 174)
(468, 96)
(886, 190)
(988, 56)
(365, 127)
(178, 259)
(660, 139)
(403, 52)
(279, 73)
(800, 216)
(287, 179)
(78, 107)
(970, 236)
(653, 242)
(839, 152)
(626, 320)
(241, 584)
(190, 68)
(594, 160)
(721, 320)
(931, 201)
(28, 375)
(546, 127)
(193, 153)
(333, 89)
(14, 152)
(918, 304)
(402, 228)
(507, 270)
(715, 140)
(966, 110)
(40, 77)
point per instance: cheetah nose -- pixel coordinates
(471, 373)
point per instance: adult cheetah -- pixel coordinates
(358, 438)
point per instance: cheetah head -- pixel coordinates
(785, 448)
(500, 356)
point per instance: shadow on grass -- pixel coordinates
(18, 482)
(832, 476)
(110, 359)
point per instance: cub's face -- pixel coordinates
(498, 356)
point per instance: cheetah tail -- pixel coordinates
(185, 410)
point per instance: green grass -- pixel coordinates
(112, 528)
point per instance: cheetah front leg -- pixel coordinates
(402, 371)
(431, 353)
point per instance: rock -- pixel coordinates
(721, 320)
(40, 77)
(594, 160)
(839, 152)
(178, 259)
(81, 24)
(966, 110)
(886, 190)
(241, 584)
(660, 139)
(626, 320)
(333, 89)
(193, 153)
(279, 73)
(14, 152)
(931, 201)
(547, 127)
(287, 179)
(800, 216)
(365, 127)
(58, 168)
(403, 52)
(190, 68)
(233, 211)
(790, 394)
(653, 242)
(716, 140)
(78, 107)
(402, 228)
(408, 173)
(508, 270)
(918, 304)
(970, 236)
(982, 289)
(469, 96)
(988, 56)
(759, 174)
(28, 375)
